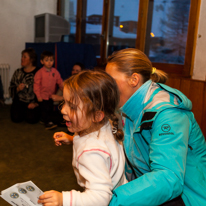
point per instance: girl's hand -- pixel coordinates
(62, 138)
(51, 197)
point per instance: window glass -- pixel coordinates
(91, 29)
(167, 31)
(123, 24)
(69, 11)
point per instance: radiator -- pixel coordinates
(4, 73)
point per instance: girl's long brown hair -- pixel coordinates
(99, 92)
(132, 60)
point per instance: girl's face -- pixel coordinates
(25, 60)
(122, 81)
(74, 115)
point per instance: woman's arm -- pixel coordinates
(167, 157)
(15, 81)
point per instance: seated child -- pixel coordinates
(45, 82)
(77, 67)
(90, 100)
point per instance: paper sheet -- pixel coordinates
(22, 194)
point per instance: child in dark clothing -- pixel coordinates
(45, 82)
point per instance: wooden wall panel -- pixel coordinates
(203, 123)
(196, 91)
(196, 95)
(185, 87)
(174, 83)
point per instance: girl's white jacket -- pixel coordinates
(98, 163)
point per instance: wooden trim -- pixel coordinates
(149, 27)
(142, 24)
(204, 113)
(105, 31)
(192, 28)
(59, 7)
(195, 36)
(78, 22)
(169, 68)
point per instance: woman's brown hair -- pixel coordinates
(32, 54)
(132, 60)
(99, 92)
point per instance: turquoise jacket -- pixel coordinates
(165, 148)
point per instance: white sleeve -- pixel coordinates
(94, 166)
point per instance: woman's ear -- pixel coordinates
(134, 80)
(99, 116)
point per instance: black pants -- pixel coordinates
(47, 110)
(20, 112)
(174, 202)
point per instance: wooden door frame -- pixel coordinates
(184, 70)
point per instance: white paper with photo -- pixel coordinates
(22, 194)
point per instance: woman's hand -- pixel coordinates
(20, 87)
(51, 197)
(62, 138)
(32, 105)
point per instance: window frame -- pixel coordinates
(184, 70)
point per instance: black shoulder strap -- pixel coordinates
(146, 122)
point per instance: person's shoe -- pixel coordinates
(50, 125)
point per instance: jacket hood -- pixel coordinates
(150, 99)
(184, 103)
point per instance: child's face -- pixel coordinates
(76, 69)
(74, 115)
(48, 62)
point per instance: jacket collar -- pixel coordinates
(46, 70)
(135, 104)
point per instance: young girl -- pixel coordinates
(90, 100)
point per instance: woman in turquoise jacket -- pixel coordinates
(164, 146)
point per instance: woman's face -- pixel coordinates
(122, 81)
(25, 60)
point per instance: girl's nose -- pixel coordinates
(63, 109)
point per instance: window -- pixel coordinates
(123, 28)
(69, 12)
(91, 29)
(163, 29)
(167, 32)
